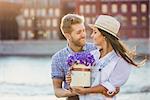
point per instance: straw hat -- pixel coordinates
(108, 24)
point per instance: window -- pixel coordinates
(41, 3)
(40, 32)
(43, 22)
(38, 23)
(104, 8)
(93, 9)
(26, 12)
(143, 8)
(54, 23)
(48, 34)
(81, 8)
(22, 22)
(29, 22)
(114, 8)
(124, 8)
(57, 13)
(134, 20)
(55, 35)
(23, 34)
(144, 20)
(87, 19)
(93, 19)
(38, 13)
(124, 20)
(134, 8)
(50, 12)
(32, 12)
(87, 9)
(48, 23)
(30, 34)
(43, 12)
(54, 2)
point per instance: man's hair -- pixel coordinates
(68, 20)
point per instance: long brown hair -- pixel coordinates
(120, 48)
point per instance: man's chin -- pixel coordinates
(81, 44)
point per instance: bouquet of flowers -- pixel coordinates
(81, 63)
(85, 58)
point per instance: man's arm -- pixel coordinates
(59, 91)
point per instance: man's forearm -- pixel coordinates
(59, 92)
(96, 89)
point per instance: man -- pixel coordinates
(72, 27)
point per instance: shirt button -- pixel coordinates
(100, 69)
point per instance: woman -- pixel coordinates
(113, 60)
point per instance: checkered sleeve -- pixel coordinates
(56, 69)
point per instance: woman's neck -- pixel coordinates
(105, 50)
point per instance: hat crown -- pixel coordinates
(108, 23)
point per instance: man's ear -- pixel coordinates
(67, 36)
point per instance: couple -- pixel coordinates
(112, 57)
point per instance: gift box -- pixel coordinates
(80, 75)
(81, 64)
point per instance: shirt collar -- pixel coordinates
(70, 50)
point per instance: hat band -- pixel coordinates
(114, 34)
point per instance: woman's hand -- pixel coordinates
(108, 94)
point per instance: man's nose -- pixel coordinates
(83, 34)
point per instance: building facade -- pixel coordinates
(8, 24)
(40, 19)
(133, 14)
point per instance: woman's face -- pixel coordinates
(97, 37)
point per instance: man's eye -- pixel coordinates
(78, 32)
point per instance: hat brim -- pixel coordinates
(102, 28)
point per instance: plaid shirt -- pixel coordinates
(59, 67)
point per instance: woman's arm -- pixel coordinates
(119, 75)
(96, 89)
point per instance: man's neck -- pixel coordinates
(75, 48)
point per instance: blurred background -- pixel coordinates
(30, 35)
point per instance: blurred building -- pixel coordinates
(133, 14)
(8, 25)
(40, 19)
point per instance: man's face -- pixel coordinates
(78, 35)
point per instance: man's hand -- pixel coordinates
(68, 76)
(79, 90)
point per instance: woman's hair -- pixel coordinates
(120, 48)
(68, 20)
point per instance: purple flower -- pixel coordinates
(85, 58)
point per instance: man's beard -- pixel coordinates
(78, 43)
